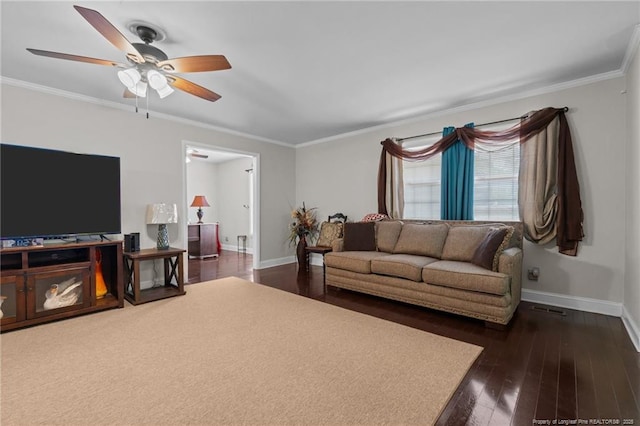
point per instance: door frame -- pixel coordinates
(255, 210)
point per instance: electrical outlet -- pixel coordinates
(533, 273)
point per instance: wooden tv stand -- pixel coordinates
(28, 274)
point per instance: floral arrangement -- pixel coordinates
(305, 223)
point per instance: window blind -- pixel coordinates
(495, 183)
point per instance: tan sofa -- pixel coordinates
(435, 264)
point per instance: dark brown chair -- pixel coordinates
(338, 217)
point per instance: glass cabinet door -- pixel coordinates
(12, 306)
(59, 291)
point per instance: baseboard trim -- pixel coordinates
(277, 262)
(233, 247)
(313, 260)
(573, 302)
(632, 328)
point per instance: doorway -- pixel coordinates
(229, 180)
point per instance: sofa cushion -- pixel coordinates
(486, 254)
(422, 239)
(463, 240)
(359, 236)
(355, 261)
(387, 233)
(407, 266)
(329, 231)
(465, 276)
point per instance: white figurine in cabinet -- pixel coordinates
(64, 294)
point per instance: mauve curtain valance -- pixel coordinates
(569, 212)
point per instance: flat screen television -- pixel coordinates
(48, 193)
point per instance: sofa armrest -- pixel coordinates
(510, 263)
(338, 244)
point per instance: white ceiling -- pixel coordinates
(305, 70)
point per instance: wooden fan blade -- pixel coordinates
(192, 88)
(128, 94)
(195, 63)
(193, 154)
(75, 58)
(110, 32)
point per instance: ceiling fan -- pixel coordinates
(148, 65)
(194, 153)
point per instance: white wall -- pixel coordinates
(631, 314)
(340, 175)
(152, 158)
(233, 196)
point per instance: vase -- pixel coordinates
(302, 253)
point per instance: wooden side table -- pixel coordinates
(320, 250)
(173, 275)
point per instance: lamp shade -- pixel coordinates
(161, 213)
(199, 201)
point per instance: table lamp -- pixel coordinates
(160, 214)
(199, 201)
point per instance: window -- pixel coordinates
(422, 183)
(495, 183)
(495, 190)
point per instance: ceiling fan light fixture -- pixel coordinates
(129, 77)
(140, 89)
(165, 91)
(156, 79)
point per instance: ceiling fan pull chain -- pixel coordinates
(136, 103)
(148, 93)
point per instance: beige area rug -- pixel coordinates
(228, 352)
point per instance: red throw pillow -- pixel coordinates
(374, 217)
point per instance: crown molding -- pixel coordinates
(122, 107)
(629, 56)
(632, 49)
(475, 105)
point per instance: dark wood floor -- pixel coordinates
(545, 366)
